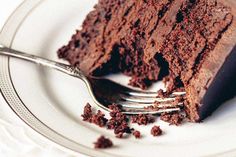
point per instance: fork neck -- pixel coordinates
(73, 71)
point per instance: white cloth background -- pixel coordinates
(16, 138)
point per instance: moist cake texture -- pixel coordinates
(150, 40)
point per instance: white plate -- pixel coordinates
(51, 103)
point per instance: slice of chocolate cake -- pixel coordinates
(190, 42)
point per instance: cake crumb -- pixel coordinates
(87, 114)
(119, 135)
(99, 119)
(162, 94)
(137, 134)
(142, 119)
(152, 107)
(103, 143)
(118, 121)
(156, 131)
(172, 118)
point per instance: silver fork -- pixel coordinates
(106, 92)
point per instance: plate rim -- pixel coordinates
(28, 7)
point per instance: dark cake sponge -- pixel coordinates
(113, 38)
(152, 39)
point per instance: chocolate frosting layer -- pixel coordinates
(222, 88)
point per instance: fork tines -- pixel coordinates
(150, 102)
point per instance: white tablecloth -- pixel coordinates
(16, 138)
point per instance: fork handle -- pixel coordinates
(72, 71)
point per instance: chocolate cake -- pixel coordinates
(188, 43)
